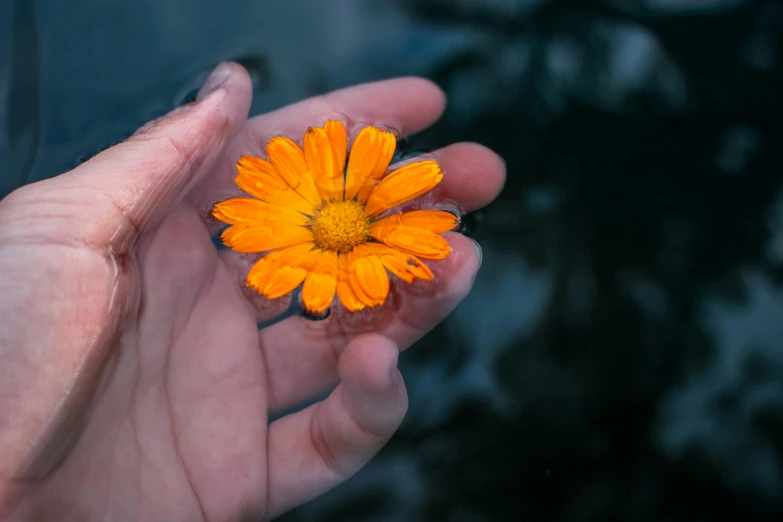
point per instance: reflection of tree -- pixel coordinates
(20, 135)
(653, 135)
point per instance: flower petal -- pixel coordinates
(402, 185)
(368, 278)
(261, 237)
(285, 281)
(345, 291)
(339, 138)
(287, 268)
(265, 268)
(324, 163)
(413, 240)
(371, 153)
(289, 161)
(321, 283)
(432, 220)
(259, 178)
(405, 266)
(237, 211)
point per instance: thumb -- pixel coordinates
(131, 185)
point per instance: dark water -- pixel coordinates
(621, 356)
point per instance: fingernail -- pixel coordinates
(215, 80)
(479, 252)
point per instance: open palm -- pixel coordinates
(135, 383)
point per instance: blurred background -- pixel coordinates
(621, 355)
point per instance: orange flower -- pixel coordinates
(320, 219)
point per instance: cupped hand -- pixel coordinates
(135, 383)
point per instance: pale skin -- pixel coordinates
(134, 381)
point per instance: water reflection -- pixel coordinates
(620, 355)
(732, 410)
(20, 91)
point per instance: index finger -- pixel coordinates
(403, 106)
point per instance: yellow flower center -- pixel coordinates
(340, 226)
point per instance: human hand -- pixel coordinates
(134, 381)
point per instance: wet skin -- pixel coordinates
(134, 382)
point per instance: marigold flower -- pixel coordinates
(320, 218)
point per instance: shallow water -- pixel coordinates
(621, 355)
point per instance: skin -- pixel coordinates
(134, 381)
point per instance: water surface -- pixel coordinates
(621, 356)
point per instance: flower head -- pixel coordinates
(321, 219)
